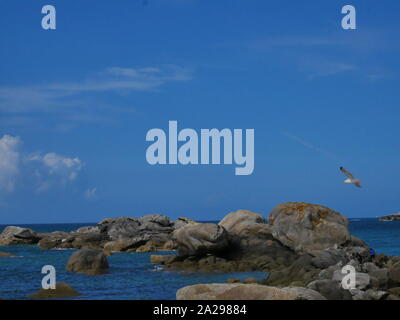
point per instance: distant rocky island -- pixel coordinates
(302, 246)
(390, 217)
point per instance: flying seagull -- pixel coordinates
(350, 178)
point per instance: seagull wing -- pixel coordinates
(346, 173)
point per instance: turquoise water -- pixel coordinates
(131, 274)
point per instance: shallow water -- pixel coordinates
(132, 276)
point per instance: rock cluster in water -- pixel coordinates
(124, 234)
(303, 247)
(391, 217)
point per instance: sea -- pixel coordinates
(132, 276)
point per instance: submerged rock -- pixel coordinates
(88, 261)
(6, 255)
(62, 290)
(160, 259)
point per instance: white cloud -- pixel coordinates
(47, 171)
(55, 169)
(9, 162)
(296, 41)
(132, 72)
(57, 96)
(316, 67)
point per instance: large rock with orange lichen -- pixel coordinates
(308, 227)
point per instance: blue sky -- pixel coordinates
(76, 104)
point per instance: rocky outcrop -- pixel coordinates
(125, 244)
(240, 242)
(16, 236)
(237, 291)
(120, 228)
(62, 290)
(303, 247)
(54, 240)
(300, 273)
(149, 233)
(156, 225)
(247, 231)
(316, 244)
(241, 221)
(251, 239)
(182, 221)
(390, 217)
(128, 234)
(86, 237)
(88, 261)
(200, 239)
(307, 227)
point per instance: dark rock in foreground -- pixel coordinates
(88, 261)
(237, 291)
(303, 247)
(62, 290)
